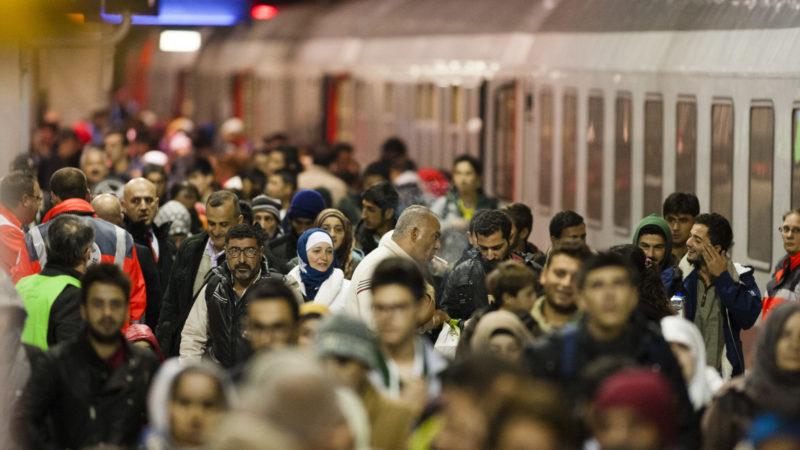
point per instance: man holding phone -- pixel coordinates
(721, 297)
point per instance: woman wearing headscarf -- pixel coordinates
(317, 276)
(341, 231)
(772, 386)
(687, 344)
(501, 333)
(185, 404)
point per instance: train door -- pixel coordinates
(426, 146)
(339, 108)
(242, 96)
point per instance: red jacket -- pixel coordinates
(12, 239)
(112, 244)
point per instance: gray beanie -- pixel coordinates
(347, 336)
(262, 203)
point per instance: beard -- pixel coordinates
(101, 337)
(488, 266)
(561, 309)
(238, 276)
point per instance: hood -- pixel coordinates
(161, 390)
(142, 332)
(77, 206)
(655, 219)
(496, 321)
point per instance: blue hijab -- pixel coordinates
(311, 277)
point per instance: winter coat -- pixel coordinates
(75, 399)
(163, 264)
(784, 284)
(729, 417)
(464, 288)
(12, 239)
(572, 357)
(215, 324)
(112, 244)
(740, 304)
(365, 240)
(179, 293)
(447, 207)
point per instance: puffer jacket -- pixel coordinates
(224, 333)
(464, 288)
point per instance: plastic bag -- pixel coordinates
(448, 338)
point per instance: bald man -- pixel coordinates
(140, 205)
(108, 208)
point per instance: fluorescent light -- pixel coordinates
(179, 41)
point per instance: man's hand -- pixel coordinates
(716, 262)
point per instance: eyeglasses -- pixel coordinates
(390, 309)
(786, 230)
(235, 252)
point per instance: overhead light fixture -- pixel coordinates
(179, 41)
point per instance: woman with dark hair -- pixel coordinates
(772, 386)
(341, 230)
(457, 207)
(653, 302)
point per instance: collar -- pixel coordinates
(54, 270)
(11, 217)
(392, 245)
(213, 253)
(73, 205)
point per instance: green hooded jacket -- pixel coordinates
(655, 219)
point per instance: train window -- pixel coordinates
(653, 154)
(722, 159)
(569, 144)
(622, 161)
(759, 218)
(795, 158)
(545, 147)
(505, 116)
(388, 98)
(456, 105)
(685, 145)
(594, 147)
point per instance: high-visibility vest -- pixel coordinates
(38, 293)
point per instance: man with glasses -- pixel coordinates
(720, 297)
(785, 282)
(214, 326)
(20, 198)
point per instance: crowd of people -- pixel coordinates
(160, 292)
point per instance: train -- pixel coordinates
(599, 106)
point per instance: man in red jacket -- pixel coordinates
(20, 198)
(112, 244)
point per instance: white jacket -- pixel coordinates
(332, 292)
(359, 297)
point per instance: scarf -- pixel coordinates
(767, 385)
(312, 278)
(701, 388)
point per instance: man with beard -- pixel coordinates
(464, 288)
(140, 204)
(378, 208)
(91, 390)
(559, 304)
(214, 326)
(721, 297)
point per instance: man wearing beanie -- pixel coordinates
(304, 208)
(349, 351)
(635, 409)
(266, 213)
